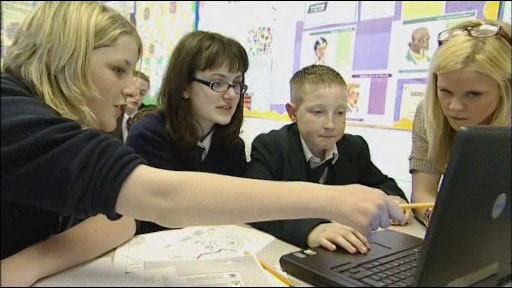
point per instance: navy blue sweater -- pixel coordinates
(149, 138)
(51, 167)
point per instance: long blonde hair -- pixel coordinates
(490, 56)
(52, 48)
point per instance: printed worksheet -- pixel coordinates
(191, 243)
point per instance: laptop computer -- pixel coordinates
(468, 242)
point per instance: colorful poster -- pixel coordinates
(333, 47)
(358, 94)
(412, 94)
(415, 41)
(367, 98)
(322, 13)
(161, 25)
(409, 93)
(257, 35)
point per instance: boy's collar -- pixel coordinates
(330, 154)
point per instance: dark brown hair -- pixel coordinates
(199, 51)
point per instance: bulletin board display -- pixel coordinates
(161, 25)
(382, 49)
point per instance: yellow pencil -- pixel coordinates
(274, 272)
(417, 205)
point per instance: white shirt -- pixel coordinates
(124, 127)
(205, 144)
(331, 154)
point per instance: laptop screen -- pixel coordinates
(470, 232)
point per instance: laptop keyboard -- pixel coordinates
(393, 270)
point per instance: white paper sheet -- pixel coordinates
(191, 243)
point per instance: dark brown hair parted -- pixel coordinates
(199, 51)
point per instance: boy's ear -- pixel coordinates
(290, 108)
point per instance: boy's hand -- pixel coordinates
(330, 235)
(407, 212)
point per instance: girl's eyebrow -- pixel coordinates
(443, 88)
(218, 74)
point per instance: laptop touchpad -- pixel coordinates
(378, 248)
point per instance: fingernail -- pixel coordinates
(363, 249)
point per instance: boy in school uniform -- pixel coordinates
(314, 148)
(141, 85)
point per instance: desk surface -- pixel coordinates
(270, 254)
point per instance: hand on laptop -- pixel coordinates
(407, 212)
(366, 209)
(331, 235)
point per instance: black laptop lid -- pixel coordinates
(468, 241)
(470, 234)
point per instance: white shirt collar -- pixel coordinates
(315, 161)
(205, 144)
(124, 126)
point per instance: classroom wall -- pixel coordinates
(389, 148)
(371, 42)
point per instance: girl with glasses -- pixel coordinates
(198, 125)
(469, 83)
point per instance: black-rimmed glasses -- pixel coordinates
(221, 86)
(481, 31)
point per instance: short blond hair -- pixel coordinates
(352, 85)
(313, 76)
(52, 49)
(488, 55)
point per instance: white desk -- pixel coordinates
(270, 254)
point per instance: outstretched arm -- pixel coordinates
(177, 199)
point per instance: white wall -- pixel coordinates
(389, 148)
